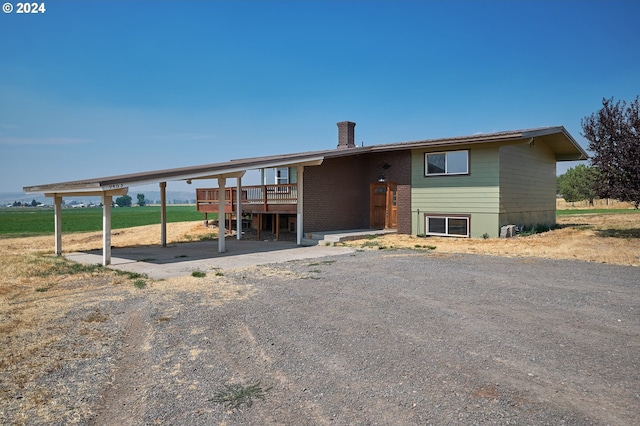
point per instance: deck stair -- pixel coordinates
(333, 237)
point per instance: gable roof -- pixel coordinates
(557, 138)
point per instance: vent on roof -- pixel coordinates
(346, 135)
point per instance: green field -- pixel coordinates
(571, 212)
(24, 221)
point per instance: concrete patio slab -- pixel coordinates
(183, 258)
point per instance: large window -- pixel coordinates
(279, 176)
(446, 163)
(457, 226)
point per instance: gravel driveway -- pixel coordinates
(384, 337)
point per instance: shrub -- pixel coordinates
(237, 395)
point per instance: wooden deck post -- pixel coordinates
(277, 226)
(259, 225)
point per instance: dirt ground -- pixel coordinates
(90, 346)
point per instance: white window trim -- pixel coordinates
(446, 163)
(446, 225)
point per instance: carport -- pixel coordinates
(108, 187)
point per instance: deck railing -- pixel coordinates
(251, 195)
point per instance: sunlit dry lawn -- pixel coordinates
(611, 239)
(607, 238)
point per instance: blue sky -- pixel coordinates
(98, 88)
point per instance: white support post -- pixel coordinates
(106, 229)
(299, 207)
(163, 214)
(221, 215)
(57, 214)
(239, 209)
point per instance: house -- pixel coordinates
(463, 186)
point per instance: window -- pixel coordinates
(446, 163)
(279, 175)
(282, 175)
(457, 226)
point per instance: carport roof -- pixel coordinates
(558, 139)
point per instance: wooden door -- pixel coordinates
(383, 205)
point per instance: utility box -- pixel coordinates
(507, 231)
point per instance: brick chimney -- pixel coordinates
(346, 135)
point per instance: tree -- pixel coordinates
(578, 183)
(613, 133)
(124, 201)
(141, 202)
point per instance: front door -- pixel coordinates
(383, 205)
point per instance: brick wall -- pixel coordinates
(336, 193)
(404, 209)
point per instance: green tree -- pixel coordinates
(578, 183)
(124, 201)
(613, 133)
(141, 202)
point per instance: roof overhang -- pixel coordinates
(562, 144)
(118, 185)
(557, 138)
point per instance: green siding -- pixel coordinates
(508, 184)
(476, 194)
(527, 184)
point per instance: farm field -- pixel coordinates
(25, 221)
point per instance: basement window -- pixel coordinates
(447, 226)
(446, 163)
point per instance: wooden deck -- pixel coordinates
(255, 199)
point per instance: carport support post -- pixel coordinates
(221, 213)
(299, 206)
(57, 214)
(106, 229)
(163, 214)
(239, 208)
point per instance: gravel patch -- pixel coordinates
(377, 337)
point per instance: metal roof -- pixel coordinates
(558, 139)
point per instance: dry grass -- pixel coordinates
(612, 238)
(597, 204)
(52, 315)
